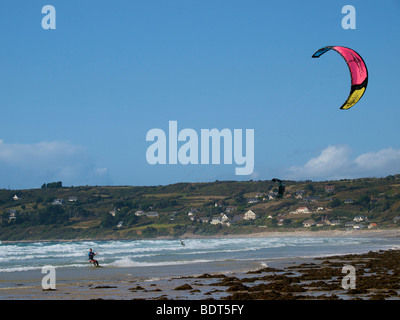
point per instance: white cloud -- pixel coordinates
(386, 158)
(30, 165)
(334, 162)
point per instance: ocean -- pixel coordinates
(171, 257)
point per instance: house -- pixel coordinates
(237, 218)
(372, 225)
(215, 220)
(12, 214)
(358, 226)
(350, 224)
(311, 199)
(396, 219)
(15, 197)
(320, 209)
(204, 219)
(58, 202)
(119, 225)
(224, 217)
(349, 201)
(218, 204)
(230, 209)
(249, 215)
(323, 223)
(280, 222)
(73, 199)
(139, 213)
(308, 223)
(329, 188)
(152, 214)
(335, 223)
(192, 212)
(272, 195)
(260, 195)
(112, 212)
(252, 200)
(358, 218)
(302, 210)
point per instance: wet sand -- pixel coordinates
(377, 278)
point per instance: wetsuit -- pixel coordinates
(91, 258)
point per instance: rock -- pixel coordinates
(184, 287)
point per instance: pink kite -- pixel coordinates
(358, 72)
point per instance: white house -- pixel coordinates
(12, 214)
(192, 212)
(224, 217)
(358, 218)
(302, 210)
(139, 213)
(253, 200)
(58, 202)
(215, 220)
(249, 215)
(15, 197)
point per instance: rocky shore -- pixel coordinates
(377, 277)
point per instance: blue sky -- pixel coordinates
(78, 101)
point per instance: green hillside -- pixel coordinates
(217, 208)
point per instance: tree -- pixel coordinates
(364, 200)
(107, 221)
(52, 185)
(149, 231)
(310, 187)
(335, 203)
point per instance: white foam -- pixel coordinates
(126, 263)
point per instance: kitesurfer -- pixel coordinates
(91, 258)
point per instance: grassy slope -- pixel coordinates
(87, 217)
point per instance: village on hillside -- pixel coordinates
(134, 212)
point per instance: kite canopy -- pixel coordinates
(281, 189)
(358, 72)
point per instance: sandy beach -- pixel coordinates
(377, 277)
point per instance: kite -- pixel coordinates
(281, 189)
(358, 72)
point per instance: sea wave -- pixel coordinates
(127, 262)
(145, 253)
